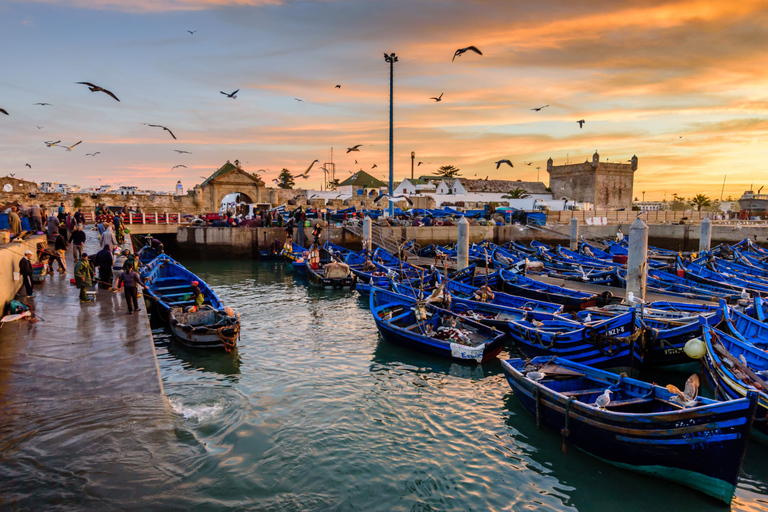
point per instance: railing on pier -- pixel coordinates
(380, 238)
(144, 218)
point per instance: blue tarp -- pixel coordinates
(4, 222)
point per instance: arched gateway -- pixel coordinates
(230, 178)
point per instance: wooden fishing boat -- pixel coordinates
(436, 331)
(293, 252)
(744, 327)
(604, 343)
(146, 254)
(468, 291)
(642, 428)
(169, 284)
(206, 327)
(331, 275)
(731, 378)
(530, 288)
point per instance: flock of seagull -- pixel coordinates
(233, 95)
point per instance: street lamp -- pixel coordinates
(413, 155)
(391, 58)
(643, 195)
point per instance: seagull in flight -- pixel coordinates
(380, 196)
(338, 87)
(277, 182)
(299, 99)
(305, 174)
(50, 143)
(581, 123)
(461, 51)
(527, 163)
(40, 127)
(503, 162)
(4, 111)
(161, 126)
(175, 166)
(43, 104)
(96, 88)
(354, 148)
(538, 109)
(73, 145)
(374, 166)
(11, 175)
(192, 31)
(419, 164)
(180, 151)
(28, 165)
(93, 154)
(439, 98)
(232, 95)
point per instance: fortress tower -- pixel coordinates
(607, 185)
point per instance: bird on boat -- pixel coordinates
(631, 299)
(50, 143)
(538, 109)
(96, 88)
(688, 396)
(743, 359)
(73, 145)
(503, 162)
(93, 154)
(43, 104)
(28, 165)
(354, 148)
(161, 126)
(232, 95)
(604, 399)
(461, 52)
(192, 31)
(4, 111)
(535, 376)
(180, 151)
(380, 196)
(581, 123)
(439, 98)
(180, 165)
(588, 318)
(744, 294)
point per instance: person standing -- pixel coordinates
(108, 237)
(104, 261)
(79, 218)
(14, 221)
(83, 276)
(197, 295)
(53, 228)
(130, 279)
(70, 224)
(119, 228)
(26, 271)
(36, 218)
(60, 248)
(117, 267)
(77, 239)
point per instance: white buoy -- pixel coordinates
(695, 348)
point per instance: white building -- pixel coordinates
(649, 206)
(411, 187)
(131, 191)
(58, 188)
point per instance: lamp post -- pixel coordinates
(413, 155)
(391, 58)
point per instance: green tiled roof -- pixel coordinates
(362, 179)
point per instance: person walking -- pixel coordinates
(130, 280)
(131, 263)
(14, 221)
(77, 239)
(70, 224)
(79, 218)
(108, 238)
(26, 271)
(36, 218)
(117, 267)
(60, 248)
(119, 228)
(104, 261)
(83, 276)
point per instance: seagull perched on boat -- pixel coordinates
(744, 294)
(93, 154)
(180, 165)
(461, 52)
(380, 196)
(631, 299)
(439, 98)
(232, 95)
(688, 396)
(604, 399)
(161, 126)
(354, 148)
(535, 376)
(581, 123)
(180, 151)
(503, 162)
(538, 109)
(96, 88)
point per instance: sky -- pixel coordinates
(681, 84)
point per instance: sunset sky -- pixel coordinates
(681, 84)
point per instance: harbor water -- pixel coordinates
(314, 411)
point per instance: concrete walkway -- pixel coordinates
(76, 349)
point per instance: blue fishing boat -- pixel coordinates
(436, 331)
(293, 252)
(744, 327)
(733, 368)
(571, 299)
(467, 291)
(641, 427)
(604, 343)
(169, 284)
(146, 254)
(757, 309)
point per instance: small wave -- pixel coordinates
(199, 413)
